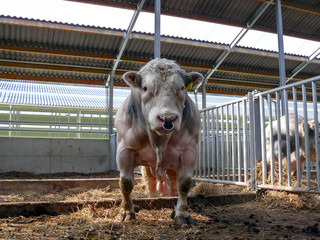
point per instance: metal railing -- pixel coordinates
(51, 122)
(223, 150)
(234, 146)
(295, 143)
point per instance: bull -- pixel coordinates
(302, 141)
(158, 127)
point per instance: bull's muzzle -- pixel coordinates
(167, 123)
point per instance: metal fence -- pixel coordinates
(52, 122)
(235, 147)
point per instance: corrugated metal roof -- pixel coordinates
(68, 51)
(51, 94)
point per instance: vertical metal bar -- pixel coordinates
(218, 144)
(279, 138)
(157, 14)
(197, 170)
(213, 145)
(285, 99)
(233, 144)
(208, 145)
(263, 140)
(204, 98)
(10, 119)
(245, 140)
(222, 144)
(281, 50)
(296, 133)
(109, 95)
(271, 141)
(253, 184)
(204, 143)
(316, 131)
(239, 141)
(306, 130)
(78, 121)
(228, 144)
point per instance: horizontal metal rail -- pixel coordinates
(53, 123)
(220, 181)
(52, 130)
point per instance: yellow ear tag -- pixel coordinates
(190, 85)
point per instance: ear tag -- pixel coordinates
(190, 85)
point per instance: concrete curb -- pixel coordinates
(49, 185)
(61, 207)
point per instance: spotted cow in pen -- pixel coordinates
(302, 141)
(158, 127)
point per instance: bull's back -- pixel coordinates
(273, 135)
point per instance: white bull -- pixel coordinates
(158, 127)
(302, 141)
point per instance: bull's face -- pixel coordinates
(162, 90)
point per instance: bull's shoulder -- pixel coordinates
(129, 119)
(190, 118)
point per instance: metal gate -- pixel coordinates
(234, 148)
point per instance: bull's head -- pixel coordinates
(161, 85)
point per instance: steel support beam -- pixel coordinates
(302, 65)
(126, 38)
(282, 71)
(157, 14)
(263, 7)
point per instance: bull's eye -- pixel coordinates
(144, 88)
(182, 88)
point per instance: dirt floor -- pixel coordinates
(275, 215)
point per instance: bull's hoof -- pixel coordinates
(179, 220)
(125, 216)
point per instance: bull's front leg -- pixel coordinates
(181, 214)
(125, 165)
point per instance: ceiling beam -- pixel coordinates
(42, 78)
(298, 7)
(106, 71)
(52, 67)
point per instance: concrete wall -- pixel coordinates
(54, 155)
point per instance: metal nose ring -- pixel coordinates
(165, 127)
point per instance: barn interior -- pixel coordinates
(79, 55)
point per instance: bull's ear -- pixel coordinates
(133, 79)
(193, 79)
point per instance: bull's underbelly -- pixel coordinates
(172, 157)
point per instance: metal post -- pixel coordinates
(281, 52)
(109, 95)
(257, 129)
(157, 13)
(204, 102)
(253, 184)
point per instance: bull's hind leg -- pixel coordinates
(172, 174)
(149, 181)
(181, 214)
(125, 165)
